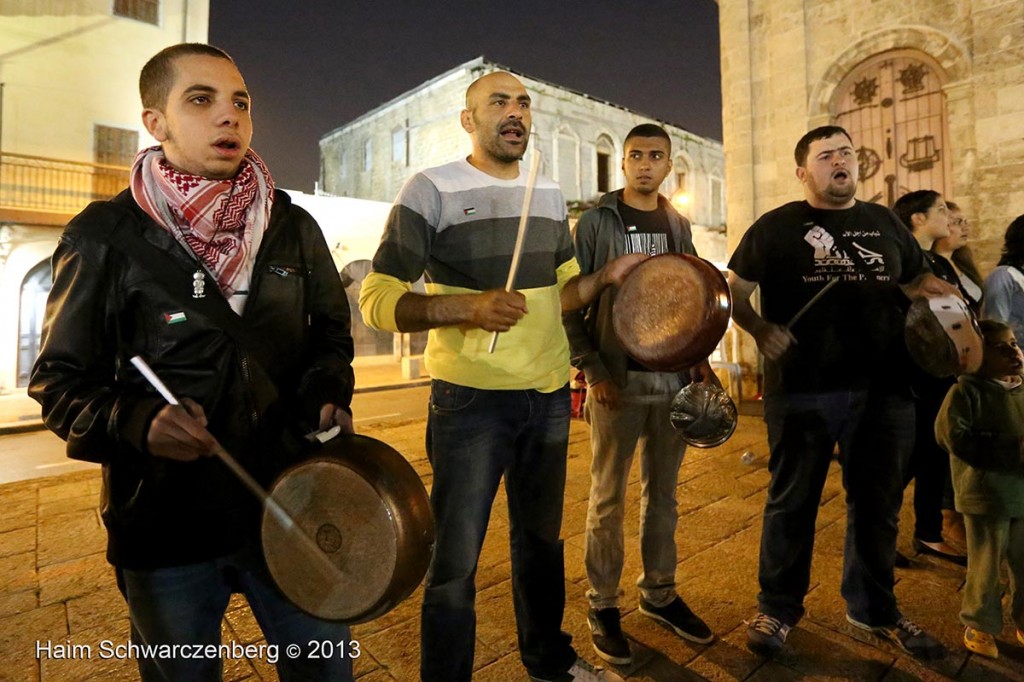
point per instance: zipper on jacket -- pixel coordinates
(253, 417)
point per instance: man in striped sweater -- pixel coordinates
(491, 414)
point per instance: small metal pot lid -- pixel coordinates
(703, 414)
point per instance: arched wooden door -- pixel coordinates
(894, 108)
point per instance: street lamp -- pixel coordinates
(681, 200)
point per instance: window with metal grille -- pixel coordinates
(140, 10)
(894, 108)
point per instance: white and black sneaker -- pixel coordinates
(766, 635)
(606, 631)
(582, 671)
(907, 635)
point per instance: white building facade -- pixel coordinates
(70, 124)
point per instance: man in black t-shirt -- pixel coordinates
(835, 376)
(627, 403)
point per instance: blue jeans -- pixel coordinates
(185, 605)
(474, 437)
(875, 434)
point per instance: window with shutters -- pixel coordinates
(147, 11)
(115, 146)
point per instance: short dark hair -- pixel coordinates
(158, 74)
(918, 201)
(1013, 243)
(991, 327)
(819, 133)
(648, 130)
(952, 205)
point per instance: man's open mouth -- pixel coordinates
(514, 133)
(227, 145)
(841, 175)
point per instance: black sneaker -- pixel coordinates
(678, 616)
(606, 631)
(907, 636)
(766, 635)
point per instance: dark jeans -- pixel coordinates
(929, 468)
(875, 434)
(474, 437)
(186, 604)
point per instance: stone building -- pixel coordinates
(932, 92)
(580, 139)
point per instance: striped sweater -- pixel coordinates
(457, 226)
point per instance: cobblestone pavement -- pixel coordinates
(55, 586)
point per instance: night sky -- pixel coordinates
(314, 65)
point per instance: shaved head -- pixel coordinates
(499, 81)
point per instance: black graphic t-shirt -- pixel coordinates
(647, 232)
(853, 336)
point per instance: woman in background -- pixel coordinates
(955, 250)
(925, 214)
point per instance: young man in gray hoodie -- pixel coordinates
(628, 404)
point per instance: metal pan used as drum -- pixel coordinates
(942, 336)
(671, 311)
(703, 414)
(368, 514)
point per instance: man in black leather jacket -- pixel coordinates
(230, 293)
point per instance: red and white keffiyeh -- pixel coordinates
(220, 221)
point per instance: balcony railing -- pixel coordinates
(40, 184)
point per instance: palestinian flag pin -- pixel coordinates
(174, 318)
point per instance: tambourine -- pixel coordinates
(942, 336)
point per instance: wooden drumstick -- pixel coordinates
(283, 517)
(807, 306)
(517, 252)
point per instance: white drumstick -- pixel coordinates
(517, 252)
(283, 517)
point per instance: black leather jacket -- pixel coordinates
(105, 307)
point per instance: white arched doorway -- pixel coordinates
(31, 311)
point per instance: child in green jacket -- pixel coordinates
(981, 426)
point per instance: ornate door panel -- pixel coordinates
(894, 109)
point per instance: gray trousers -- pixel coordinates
(642, 418)
(990, 541)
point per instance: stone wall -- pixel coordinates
(781, 63)
(783, 59)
